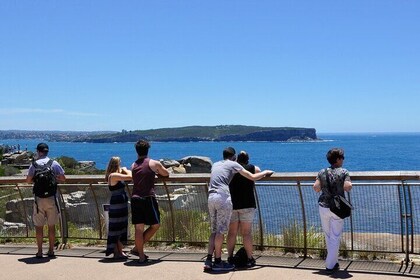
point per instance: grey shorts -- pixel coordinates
(243, 215)
(45, 211)
(220, 209)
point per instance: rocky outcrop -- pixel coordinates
(197, 164)
(189, 164)
(17, 158)
(188, 197)
(303, 134)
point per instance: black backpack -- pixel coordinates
(240, 258)
(45, 183)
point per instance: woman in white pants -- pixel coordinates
(332, 225)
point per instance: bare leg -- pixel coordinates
(51, 238)
(150, 232)
(142, 236)
(231, 237)
(246, 232)
(39, 238)
(139, 240)
(210, 250)
(218, 242)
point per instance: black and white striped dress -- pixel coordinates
(118, 217)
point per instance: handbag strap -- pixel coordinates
(333, 193)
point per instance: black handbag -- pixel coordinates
(339, 205)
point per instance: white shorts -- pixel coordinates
(220, 209)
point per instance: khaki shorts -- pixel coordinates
(46, 212)
(243, 215)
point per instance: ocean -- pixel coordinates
(364, 151)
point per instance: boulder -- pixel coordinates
(167, 163)
(177, 169)
(15, 212)
(188, 197)
(197, 164)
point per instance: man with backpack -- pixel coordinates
(44, 173)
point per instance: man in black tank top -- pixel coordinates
(243, 201)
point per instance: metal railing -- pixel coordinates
(385, 219)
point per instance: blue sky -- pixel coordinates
(337, 66)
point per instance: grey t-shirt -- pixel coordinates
(222, 173)
(58, 170)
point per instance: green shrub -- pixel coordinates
(8, 170)
(67, 162)
(294, 237)
(190, 225)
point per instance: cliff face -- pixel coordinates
(302, 134)
(210, 133)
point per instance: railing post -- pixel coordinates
(97, 211)
(63, 217)
(171, 209)
(261, 246)
(408, 220)
(24, 210)
(305, 238)
(351, 225)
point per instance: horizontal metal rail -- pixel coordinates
(385, 219)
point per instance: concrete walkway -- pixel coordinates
(18, 262)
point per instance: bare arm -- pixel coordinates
(115, 177)
(317, 185)
(29, 179)
(61, 178)
(159, 169)
(347, 186)
(256, 176)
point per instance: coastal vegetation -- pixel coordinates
(177, 134)
(208, 133)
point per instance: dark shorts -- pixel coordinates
(145, 210)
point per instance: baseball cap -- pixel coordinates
(42, 147)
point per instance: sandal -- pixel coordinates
(136, 253)
(142, 261)
(120, 257)
(38, 255)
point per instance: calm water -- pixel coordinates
(364, 152)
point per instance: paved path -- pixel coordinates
(89, 263)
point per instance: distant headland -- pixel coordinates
(178, 134)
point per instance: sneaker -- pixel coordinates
(332, 270)
(251, 262)
(230, 260)
(208, 265)
(223, 266)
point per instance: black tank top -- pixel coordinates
(242, 190)
(118, 186)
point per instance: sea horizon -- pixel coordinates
(364, 151)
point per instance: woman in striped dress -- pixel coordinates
(118, 207)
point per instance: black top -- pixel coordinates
(118, 186)
(337, 177)
(242, 190)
